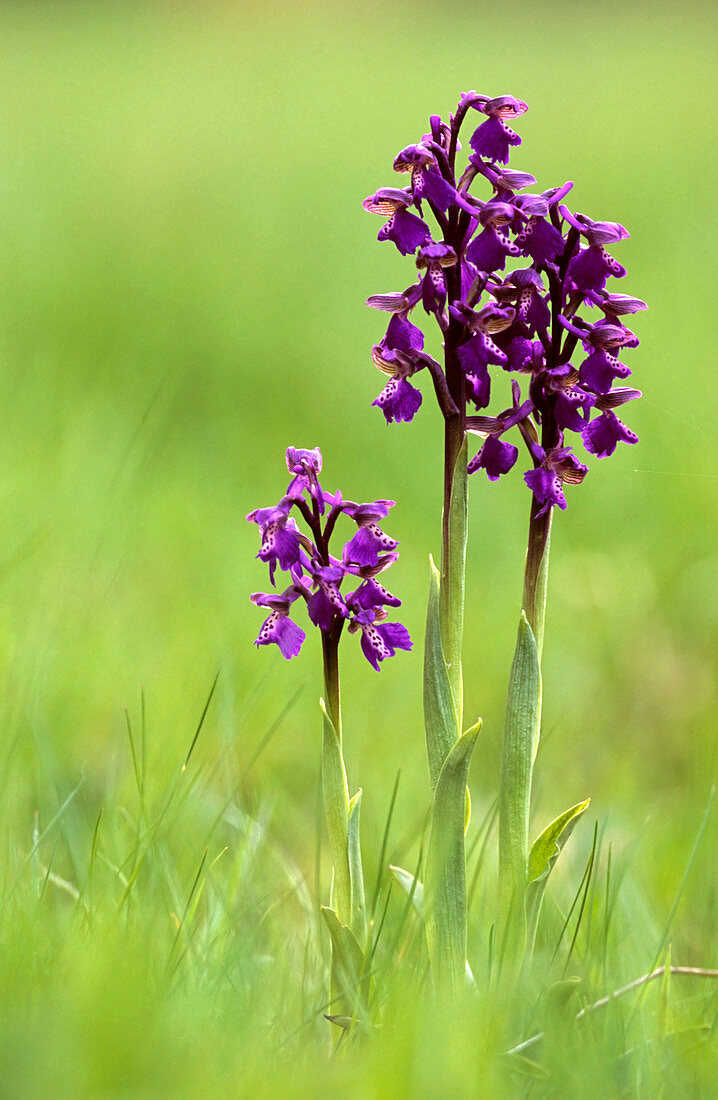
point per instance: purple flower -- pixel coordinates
(558, 466)
(399, 400)
(305, 465)
(592, 266)
(533, 322)
(379, 640)
(404, 229)
(366, 545)
(490, 249)
(600, 370)
(371, 594)
(494, 138)
(426, 181)
(280, 538)
(278, 628)
(434, 257)
(601, 436)
(396, 356)
(316, 575)
(495, 457)
(540, 240)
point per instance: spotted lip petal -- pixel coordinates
(282, 631)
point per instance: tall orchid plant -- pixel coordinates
(516, 283)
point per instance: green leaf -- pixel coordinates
(453, 576)
(411, 887)
(521, 735)
(445, 883)
(440, 717)
(348, 961)
(545, 850)
(356, 877)
(336, 810)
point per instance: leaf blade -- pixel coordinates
(441, 723)
(336, 809)
(356, 876)
(520, 744)
(445, 878)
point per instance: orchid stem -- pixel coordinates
(536, 571)
(453, 557)
(330, 655)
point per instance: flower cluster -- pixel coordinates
(317, 577)
(504, 280)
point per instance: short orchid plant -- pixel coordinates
(516, 283)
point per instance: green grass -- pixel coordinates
(184, 266)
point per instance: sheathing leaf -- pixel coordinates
(445, 879)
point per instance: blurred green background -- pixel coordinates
(184, 265)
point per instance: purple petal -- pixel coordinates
(324, 605)
(395, 635)
(435, 188)
(601, 436)
(546, 488)
(495, 457)
(399, 400)
(364, 548)
(541, 240)
(571, 409)
(493, 139)
(283, 632)
(599, 370)
(300, 461)
(401, 335)
(280, 542)
(479, 383)
(406, 231)
(591, 267)
(488, 250)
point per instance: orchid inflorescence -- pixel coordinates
(316, 575)
(525, 322)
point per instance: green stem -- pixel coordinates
(453, 557)
(330, 655)
(520, 744)
(536, 572)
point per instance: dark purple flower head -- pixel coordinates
(533, 322)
